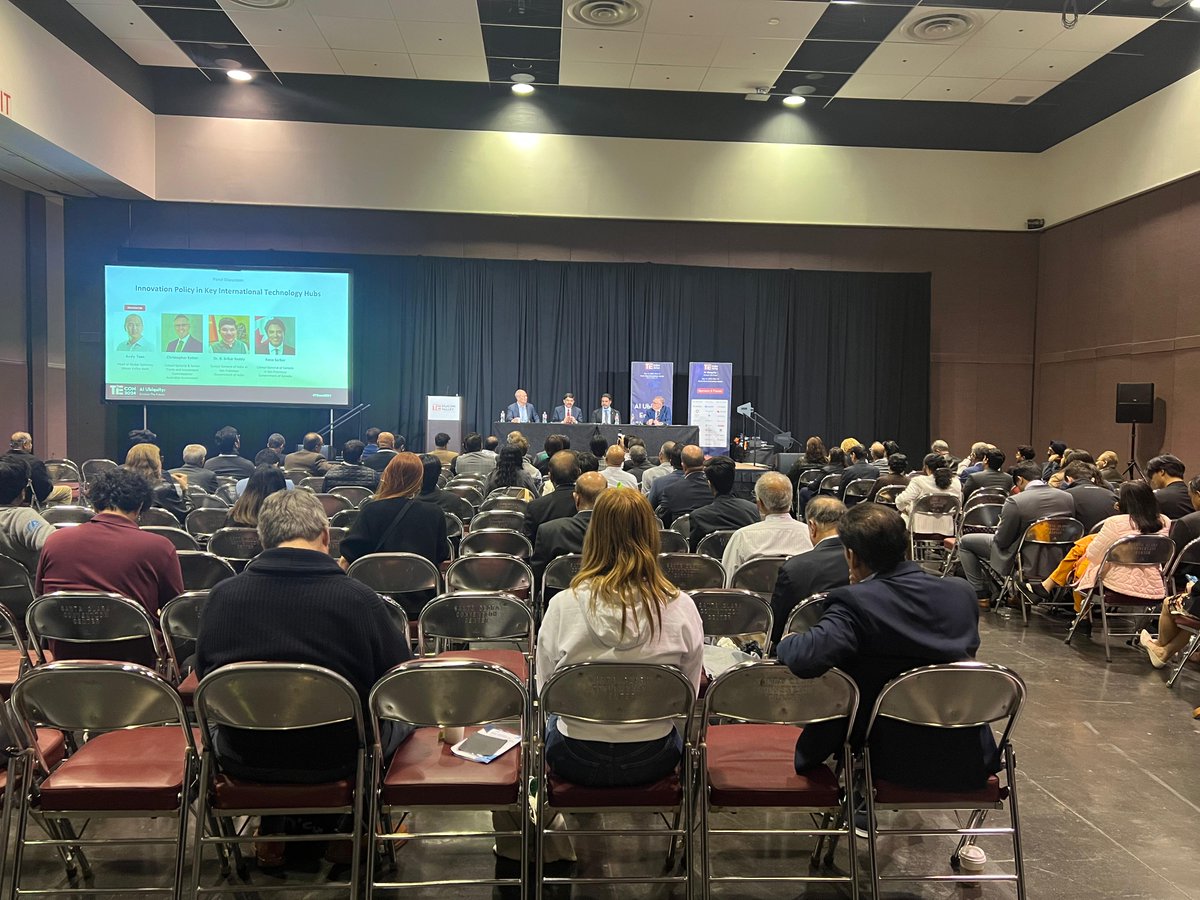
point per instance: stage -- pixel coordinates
(654, 435)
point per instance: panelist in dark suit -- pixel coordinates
(568, 413)
(990, 477)
(891, 618)
(562, 536)
(563, 469)
(726, 512)
(691, 491)
(607, 414)
(184, 342)
(522, 410)
(822, 568)
(658, 413)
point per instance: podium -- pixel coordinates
(443, 414)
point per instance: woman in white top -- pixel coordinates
(619, 608)
(938, 478)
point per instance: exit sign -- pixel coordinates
(5, 104)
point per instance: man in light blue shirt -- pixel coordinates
(522, 410)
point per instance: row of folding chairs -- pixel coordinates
(757, 708)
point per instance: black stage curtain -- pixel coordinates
(830, 353)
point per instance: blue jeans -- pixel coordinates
(601, 764)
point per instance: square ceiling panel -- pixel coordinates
(122, 21)
(676, 49)
(879, 87)
(209, 26)
(906, 59)
(981, 62)
(830, 56)
(857, 22)
(1053, 65)
(948, 89)
(546, 13)
(435, 10)
(596, 45)
(354, 9)
(668, 78)
(376, 65)
(779, 19)
(450, 68)
(442, 38)
(156, 53)
(310, 60)
(757, 53)
(521, 43)
(1011, 91)
(595, 74)
(282, 27)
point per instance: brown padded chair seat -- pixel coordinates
(665, 792)
(10, 668)
(138, 769)
(425, 773)
(890, 792)
(513, 660)
(235, 793)
(754, 765)
(187, 688)
(53, 745)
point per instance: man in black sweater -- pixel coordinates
(294, 604)
(560, 502)
(726, 512)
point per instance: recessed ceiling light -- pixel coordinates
(793, 100)
(522, 87)
(1195, 4)
(239, 75)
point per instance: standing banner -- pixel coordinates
(443, 414)
(650, 382)
(710, 385)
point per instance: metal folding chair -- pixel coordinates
(491, 572)
(954, 695)
(354, 493)
(235, 544)
(1189, 555)
(672, 541)
(85, 618)
(714, 544)
(277, 698)
(497, 519)
(203, 521)
(16, 589)
(66, 516)
(63, 471)
(502, 503)
(830, 484)
(495, 540)
(1040, 550)
(805, 614)
(518, 492)
(90, 468)
(1138, 551)
(202, 571)
(344, 519)
(886, 495)
(691, 572)
(749, 763)
(315, 483)
(557, 577)
(26, 760)
(179, 538)
(682, 525)
(927, 547)
(727, 612)
(979, 518)
(334, 503)
(468, 491)
(604, 693)
(159, 517)
(479, 617)
(759, 575)
(398, 575)
(180, 621)
(985, 496)
(208, 501)
(130, 713)
(14, 662)
(335, 540)
(858, 489)
(424, 775)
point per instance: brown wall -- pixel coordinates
(14, 405)
(974, 354)
(1119, 300)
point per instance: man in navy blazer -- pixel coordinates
(568, 412)
(522, 410)
(822, 568)
(891, 618)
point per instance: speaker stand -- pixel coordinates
(1133, 469)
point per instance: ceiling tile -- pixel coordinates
(857, 22)
(754, 53)
(311, 60)
(830, 56)
(1006, 90)
(819, 84)
(351, 9)
(377, 65)
(186, 4)
(948, 89)
(1051, 6)
(690, 17)
(361, 34)
(290, 27)
(547, 13)
(1053, 65)
(435, 10)
(979, 17)
(595, 74)
(1100, 34)
(450, 68)
(794, 18)
(208, 25)
(544, 71)
(738, 81)
(981, 62)
(122, 21)
(879, 87)
(596, 45)
(678, 49)
(1148, 9)
(668, 78)
(1009, 28)
(442, 38)
(155, 53)
(521, 43)
(228, 56)
(906, 59)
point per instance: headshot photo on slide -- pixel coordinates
(227, 334)
(135, 336)
(179, 332)
(275, 335)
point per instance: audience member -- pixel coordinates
(878, 457)
(168, 493)
(227, 462)
(837, 461)
(1037, 500)
(371, 441)
(598, 445)
(1165, 474)
(587, 461)
(614, 469)
(937, 478)
(45, 490)
(386, 452)
(637, 465)
(310, 457)
(273, 453)
(473, 460)
(1171, 638)
(193, 469)
(293, 604)
(22, 530)
(1054, 455)
(990, 477)
(878, 627)
(897, 475)
(441, 441)
(1025, 453)
(265, 481)
(814, 457)
(509, 472)
(726, 512)
(518, 440)
(563, 470)
(1094, 500)
(619, 608)
(1187, 529)
(111, 553)
(860, 467)
(655, 492)
(491, 444)
(821, 569)
(431, 472)
(974, 462)
(553, 444)
(689, 492)
(942, 449)
(350, 471)
(778, 534)
(561, 536)
(664, 467)
(1057, 479)
(1108, 463)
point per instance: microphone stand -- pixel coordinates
(783, 438)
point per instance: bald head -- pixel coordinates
(564, 468)
(692, 458)
(587, 488)
(21, 440)
(615, 456)
(774, 493)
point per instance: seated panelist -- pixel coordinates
(607, 414)
(568, 413)
(522, 410)
(658, 413)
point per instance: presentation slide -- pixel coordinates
(226, 335)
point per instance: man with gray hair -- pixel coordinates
(193, 469)
(823, 569)
(664, 467)
(941, 447)
(293, 603)
(778, 534)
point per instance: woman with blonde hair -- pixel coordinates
(169, 493)
(619, 608)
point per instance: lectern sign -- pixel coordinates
(710, 385)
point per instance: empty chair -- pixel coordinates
(985, 496)
(805, 614)
(467, 491)
(179, 538)
(950, 696)
(512, 504)
(758, 574)
(473, 617)
(296, 476)
(65, 516)
(490, 572)
(499, 518)
(753, 714)
(672, 541)
(858, 490)
(334, 503)
(93, 467)
(235, 543)
(315, 483)
(335, 540)
(690, 572)
(355, 493)
(16, 589)
(207, 501)
(727, 612)
(202, 571)
(1039, 551)
(63, 471)
(202, 522)
(682, 525)
(714, 544)
(156, 516)
(409, 579)
(180, 621)
(14, 662)
(94, 625)
(496, 540)
(934, 518)
(557, 577)
(454, 528)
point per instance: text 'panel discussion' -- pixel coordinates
(600, 449)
